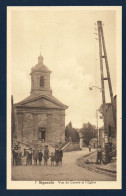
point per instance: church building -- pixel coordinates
(40, 117)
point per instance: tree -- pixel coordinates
(101, 111)
(88, 132)
(71, 133)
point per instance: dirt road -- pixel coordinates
(68, 171)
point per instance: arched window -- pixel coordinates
(42, 81)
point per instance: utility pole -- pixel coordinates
(97, 128)
(103, 55)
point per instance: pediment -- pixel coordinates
(42, 102)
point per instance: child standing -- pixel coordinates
(52, 158)
(35, 156)
(46, 155)
(40, 155)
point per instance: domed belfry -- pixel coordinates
(40, 116)
(40, 78)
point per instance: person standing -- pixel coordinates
(99, 155)
(52, 158)
(56, 155)
(13, 156)
(16, 156)
(40, 155)
(35, 156)
(89, 148)
(46, 155)
(60, 156)
(19, 156)
(30, 156)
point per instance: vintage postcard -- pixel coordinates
(64, 91)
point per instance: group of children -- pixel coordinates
(38, 155)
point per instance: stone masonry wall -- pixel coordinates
(18, 125)
(58, 126)
(35, 127)
(49, 127)
(28, 126)
(52, 120)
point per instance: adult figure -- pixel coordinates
(110, 152)
(30, 156)
(57, 155)
(46, 155)
(19, 156)
(99, 155)
(89, 148)
(13, 156)
(40, 155)
(35, 156)
(60, 156)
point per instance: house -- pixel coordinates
(93, 143)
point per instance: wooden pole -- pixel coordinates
(103, 55)
(102, 76)
(108, 76)
(97, 128)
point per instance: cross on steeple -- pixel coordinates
(40, 49)
(40, 58)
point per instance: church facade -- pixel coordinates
(40, 117)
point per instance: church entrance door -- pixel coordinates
(42, 131)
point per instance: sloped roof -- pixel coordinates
(94, 139)
(40, 67)
(35, 97)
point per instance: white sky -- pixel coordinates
(69, 49)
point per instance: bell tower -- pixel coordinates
(40, 78)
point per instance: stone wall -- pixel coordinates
(49, 127)
(29, 121)
(28, 126)
(72, 147)
(35, 127)
(35, 83)
(58, 125)
(19, 125)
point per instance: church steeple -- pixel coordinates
(40, 78)
(40, 59)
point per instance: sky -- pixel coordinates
(66, 40)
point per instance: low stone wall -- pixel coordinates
(88, 161)
(72, 147)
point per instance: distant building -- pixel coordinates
(101, 141)
(93, 143)
(40, 117)
(110, 125)
(110, 121)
